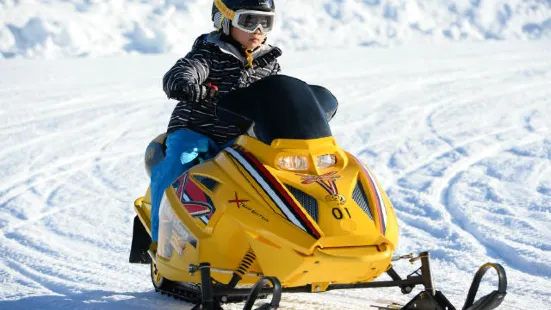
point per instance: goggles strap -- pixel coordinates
(227, 12)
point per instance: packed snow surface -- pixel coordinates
(459, 136)
(61, 28)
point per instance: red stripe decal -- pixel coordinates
(180, 190)
(196, 209)
(374, 191)
(194, 192)
(334, 187)
(326, 187)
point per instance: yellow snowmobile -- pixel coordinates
(284, 209)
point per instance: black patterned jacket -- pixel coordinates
(220, 63)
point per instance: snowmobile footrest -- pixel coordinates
(140, 244)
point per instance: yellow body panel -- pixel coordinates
(340, 242)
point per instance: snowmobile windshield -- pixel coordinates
(281, 107)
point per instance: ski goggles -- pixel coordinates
(249, 21)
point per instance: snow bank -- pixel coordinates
(61, 28)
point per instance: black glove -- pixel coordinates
(197, 93)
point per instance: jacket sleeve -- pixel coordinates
(183, 81)
(277, 69)
(269, 62)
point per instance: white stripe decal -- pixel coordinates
(379, 196)
(204, 218)
(266, 187)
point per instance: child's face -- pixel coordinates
(248, 40)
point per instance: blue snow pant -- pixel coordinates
(182, 148)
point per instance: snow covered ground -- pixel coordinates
(61, 28)
(459, 135)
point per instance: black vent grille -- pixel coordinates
(207, 182)
(361, 200)
(308, 202)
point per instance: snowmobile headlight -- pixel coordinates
(294, 163)
(326, 161)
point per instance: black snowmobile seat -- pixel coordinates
(155, 152)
